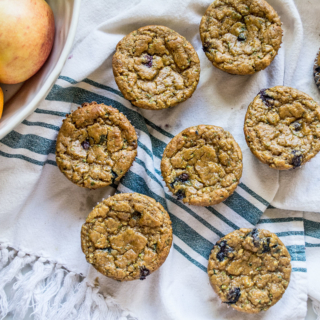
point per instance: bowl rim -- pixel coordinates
(51, 78)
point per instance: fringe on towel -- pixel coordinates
(49, 291)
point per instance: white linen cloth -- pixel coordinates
(312, 244)
(41, 212)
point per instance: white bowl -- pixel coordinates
(22, 99)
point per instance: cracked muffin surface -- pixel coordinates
(241, 36)
(282, 127)
(127, 236)
(202, 165)
(250, 269)
(96, 146)
(155, 67)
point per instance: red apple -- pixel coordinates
(26, 38)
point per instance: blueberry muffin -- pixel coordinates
(250, 269)
(282, 127)
(202, 165)
(156, 68)
(241, 36)
(96, 146)
(127, 237)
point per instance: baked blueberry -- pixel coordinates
(183, 177)
(297, 126)
(297, 159)
(85, 144)
(255, 236)
(206, 47)
(233, 295)
(173, 183)
(266, 245)
(144, 272)
(242, 37)
(224, 250)
(149, 59)
(265, 98)
(180, 194)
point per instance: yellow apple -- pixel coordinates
(26, 38)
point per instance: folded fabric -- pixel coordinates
(312, 244)
(42, 212)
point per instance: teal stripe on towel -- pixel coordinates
(30, 142)
(53, 113)
(279, 220)
(253, 194)
(244, 208)
(297, 252)
(312, 228)
(40, 124)
(195, 262)
(290, 233)
(312, 245)
(93, 83)
(299, 269)
(28, 159)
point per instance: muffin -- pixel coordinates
(202, 165)
(156, 68)
(127, 236)
(96, 146)
(241, 36)
(250, 269)
(282, 127)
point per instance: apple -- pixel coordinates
(26, 38)
(1, 102)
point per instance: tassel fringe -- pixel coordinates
(49, 291)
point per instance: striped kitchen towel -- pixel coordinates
(41, 263)
(312, 245)
(52, 209)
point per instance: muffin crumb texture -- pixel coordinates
(96, 146)
(156, 68)
(241, 36)
(127, 236)
(282, 127)
(202, 165)
(250, 269)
